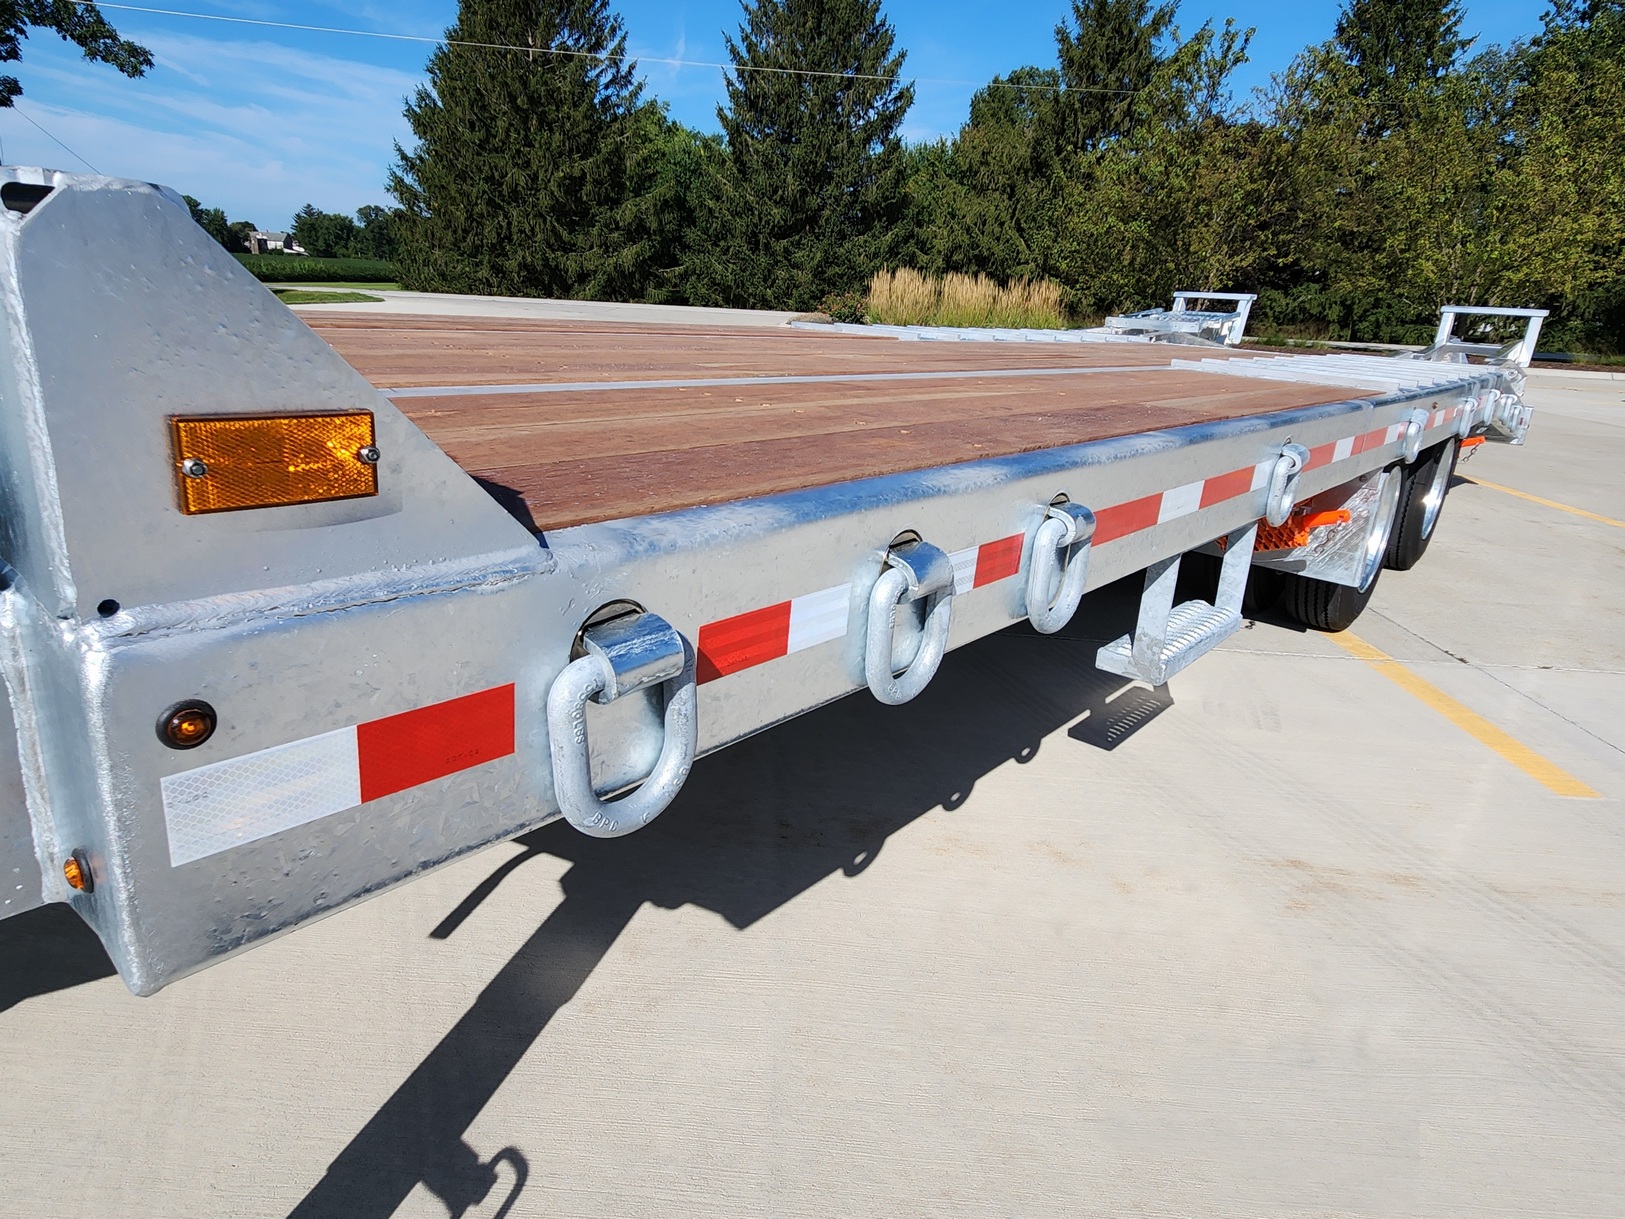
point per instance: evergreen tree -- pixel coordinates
(1115, 173)
(527, 160)
(1180, 196)
(986, 203)
(1392, 150)
(1107, 65)
(1394, 47)
(810, 198)
(666, 219)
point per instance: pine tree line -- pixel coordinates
(1387, 171)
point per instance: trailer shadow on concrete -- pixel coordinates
(48, 949)
(757, 825)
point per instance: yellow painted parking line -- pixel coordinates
(1549, 503)
(1469, 721)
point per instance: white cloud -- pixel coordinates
(252, 126)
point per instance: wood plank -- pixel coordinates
(572, 456)
(394, 352)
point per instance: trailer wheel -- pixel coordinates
(1199, 577)
(1322, 605)
(1421, 500)
(1263, 590)
(1326, 606)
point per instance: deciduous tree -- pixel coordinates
(76, 21)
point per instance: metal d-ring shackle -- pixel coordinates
(914, 571)
(1410, 446)
(1469, 417)
(622, 655)
(1053, 593)
(1282, 494)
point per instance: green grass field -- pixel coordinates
(346, 283)
(303, 296)
(297, 269)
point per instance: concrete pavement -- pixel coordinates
(1278, 940)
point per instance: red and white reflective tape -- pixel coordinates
(1441, 417)
(1120, 520)
(226, 804)
(986, 564)
(750, 639)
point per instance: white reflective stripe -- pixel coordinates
(964, 562)
(225, 804)
(1261, 473)
(1180, 501)
(1392, 434)
(819, 617)
(1344, 449)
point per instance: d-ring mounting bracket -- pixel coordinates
(1053, 588)
(623, 655)
(913, 571)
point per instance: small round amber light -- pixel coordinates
(187, 725)
(76, 871)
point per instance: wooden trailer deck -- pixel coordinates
(570, 422)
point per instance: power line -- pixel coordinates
(56, 141)
(564, 51)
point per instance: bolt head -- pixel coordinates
(193, 468)
(369, 453)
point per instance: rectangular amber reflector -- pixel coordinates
(225, 462)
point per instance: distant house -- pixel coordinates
(272, 243)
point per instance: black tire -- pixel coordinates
(1322, 605)
(1199, 578)
(1264, 588)
(1417, 518)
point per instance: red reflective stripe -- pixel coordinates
(401, 751)
(1372, 440)
(998, 560)
(742, 641)
(1320, 455)
(1227, 486)
(1120, 520)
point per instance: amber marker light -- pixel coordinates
(187, 725)
(228, 462)
(76, 871)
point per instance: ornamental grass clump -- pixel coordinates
(908, 298)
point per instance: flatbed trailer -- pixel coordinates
(293, 614)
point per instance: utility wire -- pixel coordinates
(564, 51)
(56, 141)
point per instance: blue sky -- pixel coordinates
(259, 120)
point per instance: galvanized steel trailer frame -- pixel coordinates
(344, 644)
